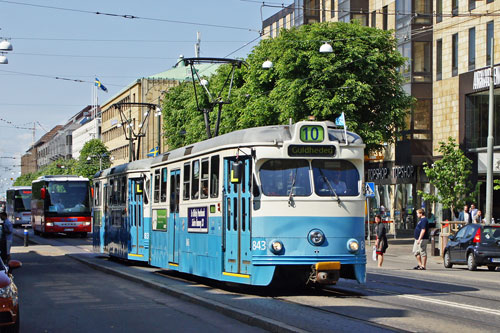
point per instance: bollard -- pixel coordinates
(26, 237)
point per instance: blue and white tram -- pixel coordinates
(275, 203)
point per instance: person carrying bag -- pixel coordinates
(381, 243)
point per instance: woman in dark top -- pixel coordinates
(381, 242)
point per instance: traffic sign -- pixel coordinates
(370, 190)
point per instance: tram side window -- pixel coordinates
(109, 197)
(157, 186)
(214, 176)
(204, 179)
(195, 178)
(97, 194)
(186, 187)
(340, 176)
(123, 191)
(163, 193)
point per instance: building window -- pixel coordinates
(374, 19)
(332, 8)
(472, 4)
(439, 59)
(454, 7)
(271, 31)
(423, 9)
(277, 28)
(472, 48)
(284, 22)
(405, 50)
(489, 1)
(454, 55)
(344, 11)
(385, 17)
(439, 11)
(489, 37)
(362, 18)
(421, 62)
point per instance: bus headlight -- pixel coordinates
(276, 247)
(49, 224)
(316, 237)
(352, 245)
(86, 224)
(18, 219)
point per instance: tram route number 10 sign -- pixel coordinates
(312, 133)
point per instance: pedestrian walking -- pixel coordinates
(6, 237)
(381, 243)
(421, 236)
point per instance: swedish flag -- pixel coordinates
(98, 84)
(154, 152)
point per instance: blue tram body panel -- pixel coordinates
(228, 235)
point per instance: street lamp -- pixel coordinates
(5, 46)
(100, 156)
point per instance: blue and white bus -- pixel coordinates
(255, 206)
(18, 205)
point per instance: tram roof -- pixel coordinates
(131, 166)
(257, 135)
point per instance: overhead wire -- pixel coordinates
(128, 16)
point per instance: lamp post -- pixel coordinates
(490, 142)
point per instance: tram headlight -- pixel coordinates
(277, 247)
(316, 237)
(352, 245)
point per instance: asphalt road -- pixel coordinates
(395, 298)
(59, 294)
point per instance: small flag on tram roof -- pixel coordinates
(340, 121)
(100, 85)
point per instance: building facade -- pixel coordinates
(90, 128)
(142, 123)
(29, 159)
(448, 47)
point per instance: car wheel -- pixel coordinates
(447, 260)
(492, 268)
(471, 262)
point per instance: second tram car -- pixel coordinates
(61, 204)
(255, 206)
(18, 205)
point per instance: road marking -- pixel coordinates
(440, 302)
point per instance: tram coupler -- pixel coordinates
(26, 237)
(325, 272)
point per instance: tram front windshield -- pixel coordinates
(22, 200)
(68, 197)
(281, 177)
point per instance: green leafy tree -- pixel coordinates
(58, 167)
(360, 78)
(450, 176)
(94, 155)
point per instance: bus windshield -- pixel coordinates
(22, 200)
(67, 197)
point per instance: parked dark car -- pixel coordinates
(9, 299)
(474, 245)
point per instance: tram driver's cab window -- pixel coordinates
(335, 177)
(282, 177)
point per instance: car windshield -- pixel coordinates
(22, 200)
(491, 233)
(282, 177)
(68, 197)
(337, 176)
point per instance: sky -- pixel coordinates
(58, 43)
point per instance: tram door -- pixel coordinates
(139, 243)
(237, 219)
(97, 215)
(173, 219)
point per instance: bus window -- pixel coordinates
(186, 187)
(214, 176)
(204, 179)
(163, 191)
(157, 186)
(195, 179)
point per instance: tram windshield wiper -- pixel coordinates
(290, 197)
(325, 179)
